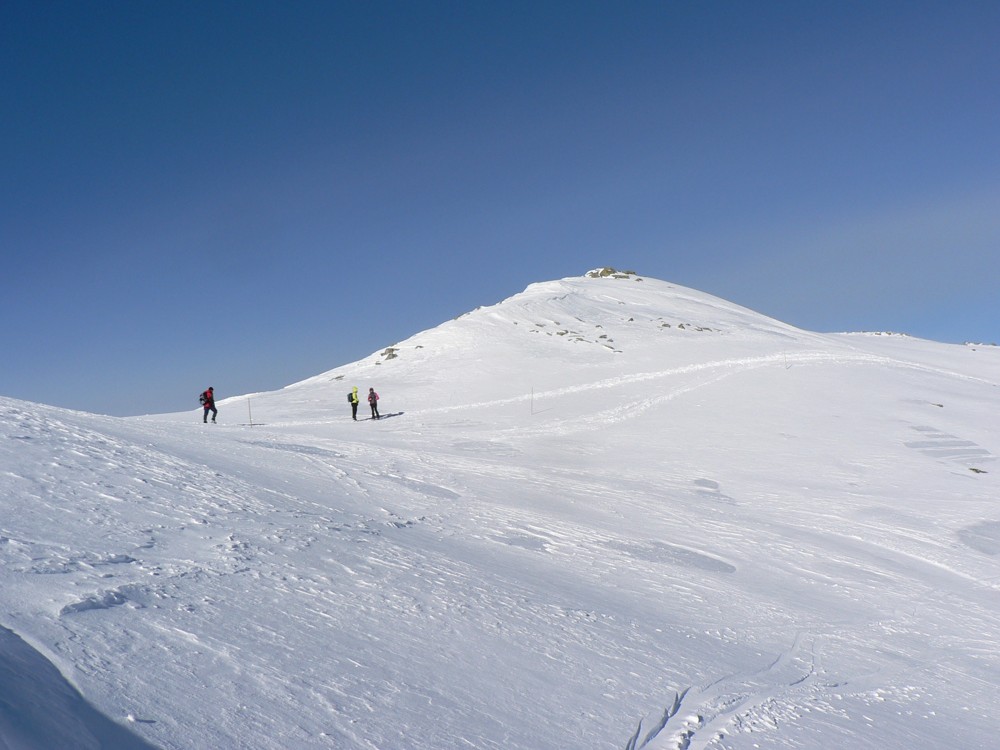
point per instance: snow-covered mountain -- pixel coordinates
(607, 512)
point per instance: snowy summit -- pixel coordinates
(607, 512)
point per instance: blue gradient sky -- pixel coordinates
(245, 194)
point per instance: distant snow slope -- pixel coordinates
(607, 512)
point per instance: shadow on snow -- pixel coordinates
(40, 710)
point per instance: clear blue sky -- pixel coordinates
(245, 194)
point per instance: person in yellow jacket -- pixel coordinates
(354, 404)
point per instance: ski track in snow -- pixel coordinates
(729, 367)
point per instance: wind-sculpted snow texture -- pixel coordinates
(605, 513)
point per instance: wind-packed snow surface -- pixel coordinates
(608, 512)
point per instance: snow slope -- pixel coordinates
(608, 512)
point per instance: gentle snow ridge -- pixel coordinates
(607, 512)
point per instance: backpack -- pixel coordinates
(350, 398)
(202, 400)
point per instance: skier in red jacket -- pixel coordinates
(208, 402)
